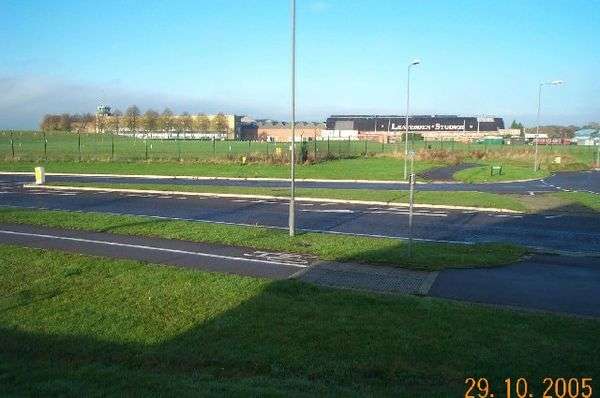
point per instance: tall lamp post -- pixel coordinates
(413, 63)
(537, 124)
(292, 210)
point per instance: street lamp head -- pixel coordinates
(415, 62)
(556, 82)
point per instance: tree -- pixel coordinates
(101, 122)
(185, 122)
(66, 122)
(220, 123)
(132, 116)
(202, 122)
(50, 123)
(150, 120)
(115, 120)
(85, 120)
(166, 120)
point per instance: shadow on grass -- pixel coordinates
(293, 338)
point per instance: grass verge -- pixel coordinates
(375, 168)
(509, 172)
(74, 325)
(341, 248)
(449, 198)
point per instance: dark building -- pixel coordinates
(424, 123)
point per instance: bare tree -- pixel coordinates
(150, 120)
(202, 122)
(220, 123)
(166, 120)
(66, 122)
(85, 120)
(132, 118)
(115, 120)
(186, 122)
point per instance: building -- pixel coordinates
(587, 137)
(431, 127)
(271, 130)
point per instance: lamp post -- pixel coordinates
(413, 63)
(537, 124)
(292, 210)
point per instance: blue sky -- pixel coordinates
(478, 57)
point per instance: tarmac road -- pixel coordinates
(557, 231)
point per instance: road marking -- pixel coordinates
(345, 211)
(405, 213)
(553, 217)
(152, 248)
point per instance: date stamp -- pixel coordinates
(520, 387)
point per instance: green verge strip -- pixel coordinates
(509, 173)
(331, 247)
(447, 198)
(73, 325)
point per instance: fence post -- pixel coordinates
(249, 142)
(366, 147)
(315, 148)
(267, 149)
(12, 144)
(214, 148)
(45, 146)
(327, 147)
(112, 146)
(79, 144)
(146, 144)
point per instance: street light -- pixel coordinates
(537, 128)
(292, 211)
(413, 63)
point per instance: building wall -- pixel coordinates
(285, 134)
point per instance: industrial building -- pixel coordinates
(386, 128)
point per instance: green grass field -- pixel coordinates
(331, 247)
(355, 169)
(73, 325)
(510, 172)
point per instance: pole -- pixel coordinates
(411, 200)
(537, 127)
(292, 210)
(112, 146)
(597, 153)
(45, 147)
(406, 122)
(79, 144)
(12, 144)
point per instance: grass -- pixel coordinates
(450, 198)
(74, 325)
(360, 168)
(509, 172)
(568, 202)
(331, 247)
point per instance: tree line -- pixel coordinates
(134, 120)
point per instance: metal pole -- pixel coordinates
(406, 122)
(12, 144)
(537, 128)
(45, 147)
(411, 200)
(79, 144)
(292, 210)
(597, 153)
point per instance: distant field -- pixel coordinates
(29, 146)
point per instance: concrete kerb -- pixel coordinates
(268, 197)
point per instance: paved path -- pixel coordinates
(553, 230)
(551, 283)
(446, 173)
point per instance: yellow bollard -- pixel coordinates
(40, 176)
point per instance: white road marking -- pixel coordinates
(144, 247)
(553, 217)
(405, 213)
(345, 211)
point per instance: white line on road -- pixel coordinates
(144, 247)
(345, 211)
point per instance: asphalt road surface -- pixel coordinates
(559, 231)
(526, 187)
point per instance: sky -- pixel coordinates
(478, 57)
